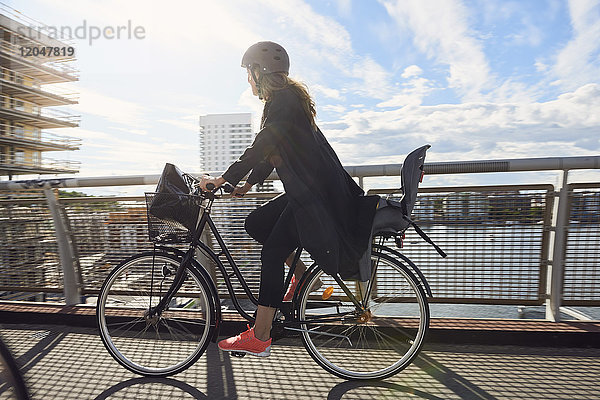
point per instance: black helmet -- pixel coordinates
(268, 56)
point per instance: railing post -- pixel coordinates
(557, 269)
(71, 289)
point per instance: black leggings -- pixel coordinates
(273, 225)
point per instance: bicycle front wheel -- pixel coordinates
(163, 344)
(11, 380)
(373, 341)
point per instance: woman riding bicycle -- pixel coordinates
(322, 210)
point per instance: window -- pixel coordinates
(19, 131)
(19, 157)
(18, 79)
(18, 105)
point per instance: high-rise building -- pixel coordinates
(31, 62)
(223, 138)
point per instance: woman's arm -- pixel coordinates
(260, 173)
(277, 124)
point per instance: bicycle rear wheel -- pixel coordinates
(163, 344)
(372, 342)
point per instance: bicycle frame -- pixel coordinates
(206, 220)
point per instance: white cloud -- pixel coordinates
(441, 32)
(141, 132)
(334, 108)
(320, 48)
(325, 91)
(344, 8)
(374, 79)
(250, 102)
(579, 61)
(182, 123)
(412, 71)
(111, 108)
(413, 90)
(530, 34)
(566, 126)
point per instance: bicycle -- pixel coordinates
(11, 380)
(157, 311)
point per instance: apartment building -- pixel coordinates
(33, 70)
(223, 138)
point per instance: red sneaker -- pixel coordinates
(290, 293)
(246, 342)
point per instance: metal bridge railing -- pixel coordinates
(582, 251)
(507, 244)
(496, 238)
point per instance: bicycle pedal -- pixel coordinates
(239, 354)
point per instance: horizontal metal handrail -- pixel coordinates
(8, 103)
(38, 136)
(487, 188)
(482, 166)
(360, 171)
(8, 161)
(28, 81)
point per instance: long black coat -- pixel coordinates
(332, 215)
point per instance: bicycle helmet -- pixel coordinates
(268, 56)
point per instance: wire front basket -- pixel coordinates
(172, 218)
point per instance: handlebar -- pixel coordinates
(227, 187)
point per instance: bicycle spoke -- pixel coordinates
(140, 342)
(134, 321)
(382, 334)
(181, 321)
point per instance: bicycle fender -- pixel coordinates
(412, 265)
(300, 285)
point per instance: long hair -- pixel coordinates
(270, 83)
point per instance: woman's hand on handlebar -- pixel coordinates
(211, 181)
(240, 191)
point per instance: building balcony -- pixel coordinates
(26, 87)
(19, 165)
(45, 69)
(28, 113)
(35, 139)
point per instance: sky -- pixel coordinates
(480, 79)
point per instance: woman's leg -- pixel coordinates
(276, 250)
(260, 222)
(264, 320)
